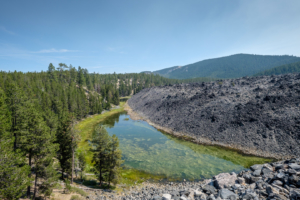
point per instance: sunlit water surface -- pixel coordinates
(147, 149)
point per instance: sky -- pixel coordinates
(123, 36)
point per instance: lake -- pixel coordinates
(150, 150)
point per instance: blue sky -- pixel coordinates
(107, 36)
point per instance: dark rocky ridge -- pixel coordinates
(257, 115)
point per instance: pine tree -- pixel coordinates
(82, 163)
(13, 172)
(100, 145)
(36, 142)
(115, 161)
(64, 139)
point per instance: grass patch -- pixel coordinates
(78, 191)
(76, 197)
(124, 99)
(132, 176)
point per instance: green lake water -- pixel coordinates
(147, 149)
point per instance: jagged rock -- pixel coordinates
(224, 179)
(241, 180)
(293, 179)
(183, 198)
(274, 196)
(257, 172)
(270, 121)
(209, 189)
(295, 166)
(277, 182)
(250, 196)
(280, 175)
(198, 193)
(292, 171)
(252, 186)
(278, 167)
(295, 194)
(271, 189)
(166, 197)
(254, 179)
(266, 171)
(211, 197)
(156, 197)
(256, 167)
(226, 194)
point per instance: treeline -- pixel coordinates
(38, 111)
(233, 66)
(283, 69)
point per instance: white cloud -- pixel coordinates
(55, 51)
(116, 50)
(3, 29)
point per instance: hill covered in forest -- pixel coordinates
(234, 66)
(283, 69)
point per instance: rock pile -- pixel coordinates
(279, 180)
(274, 181)
(257, 115)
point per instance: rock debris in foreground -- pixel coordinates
(257, 115)
(283, 182)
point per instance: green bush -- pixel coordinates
(76, 197)
(68, 187)
(78, 191)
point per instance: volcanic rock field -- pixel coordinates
(256, 115)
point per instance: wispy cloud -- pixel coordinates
(115, 50)
(3, 29)
(55, 51)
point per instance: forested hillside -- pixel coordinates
(38, 111)
(283, 69)
(233, 66)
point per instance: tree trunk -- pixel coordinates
(29, 175)
(62, 174)
(72, 165)
(15, 142)
(100, 178)
(35, 186)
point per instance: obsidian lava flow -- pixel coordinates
(260, 114)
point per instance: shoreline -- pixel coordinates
(202, 141)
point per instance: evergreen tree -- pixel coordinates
(100, 145)
(114, 161)
(13, 172)
(64, 139)
(36, 142)
(82, 162)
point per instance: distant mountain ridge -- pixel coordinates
(283, 69)
(234, 66)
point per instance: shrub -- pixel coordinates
(75, 197)
(79, 191)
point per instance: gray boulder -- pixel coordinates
(227, 194)
(166, 197)
(295, 194)
(224, 180)
(295, 166)
(256, 167)
(209, 189)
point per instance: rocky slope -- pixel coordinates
(257, 115)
